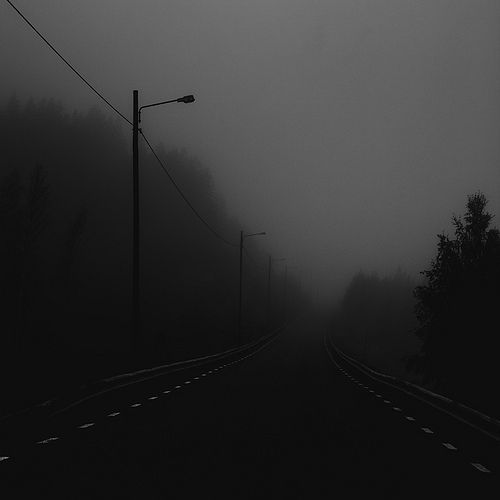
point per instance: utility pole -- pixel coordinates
(242, 237)
(136, 297)
(241, 287)
(136, 307)
(286, 298)
(269, 265)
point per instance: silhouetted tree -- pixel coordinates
(457, 306)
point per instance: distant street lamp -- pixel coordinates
(242, 237)
(136, 308)
(269, 274)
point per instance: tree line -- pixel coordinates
(65, 254)
(443, 331)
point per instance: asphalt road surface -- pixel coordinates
(287, 422)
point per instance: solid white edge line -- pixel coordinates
(460, 419)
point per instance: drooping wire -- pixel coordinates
(77, 73)
(183, 196)
(84, 80)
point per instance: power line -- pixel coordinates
(84, 80)
(77, 73)
(183, 196)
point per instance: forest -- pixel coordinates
(443, 332)
(66, 247)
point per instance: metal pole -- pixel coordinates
(241, 287)
(136, 310)
(286, 298)
(270, 263)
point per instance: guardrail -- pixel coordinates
(92, 389)
(465, 414)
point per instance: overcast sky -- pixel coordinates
(349, 130)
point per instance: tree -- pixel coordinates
(456, 306)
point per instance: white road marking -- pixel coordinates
(85, 426)
(4, 458)
(373, 392)
(387, 401)
(378, 395)
(187, 382)
(178, 386)
(449, 446)
(480, 467)
(135, 405)
(153, 397)
(203, 374)
(48, 440)
(395, 408)
(196, 378)
(427, 430)
(114, 414)
(166, 392)
(411, 419)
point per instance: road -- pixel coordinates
(285, 423)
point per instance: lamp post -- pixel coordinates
(136, 307)
(240, 296)
(286, 290)
(269, 274)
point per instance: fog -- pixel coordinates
(349, 131)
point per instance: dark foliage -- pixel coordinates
(457, 307)
(65, 253)
(375, 320)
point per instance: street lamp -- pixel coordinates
(269, 273)
(242, 237)
(136, 308)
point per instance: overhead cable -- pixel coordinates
(184, 197)
(77, 73)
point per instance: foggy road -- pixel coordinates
(283, 423)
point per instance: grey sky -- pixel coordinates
(349, 130)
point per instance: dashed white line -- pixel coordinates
(480, 467)
(427, 430)
(48, 440)
(196, 378)
(85, 426)
(411, 419)
(152, 398)
(395, 408)
(4, 458)
(203, 374)
(166, 392)
(135, 405)
(178, 386)
(449, 446)
(114, 414)
(387, 401)
(187, 382)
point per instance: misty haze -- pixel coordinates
(249, 249)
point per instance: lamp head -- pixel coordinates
(186, 99)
